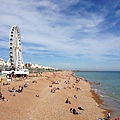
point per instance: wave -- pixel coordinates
(101, 95)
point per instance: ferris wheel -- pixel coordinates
(15, 48)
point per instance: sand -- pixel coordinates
(50, 106)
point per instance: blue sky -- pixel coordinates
(65, 34)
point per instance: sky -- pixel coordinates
(64, 34)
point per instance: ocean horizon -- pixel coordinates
(108, 89)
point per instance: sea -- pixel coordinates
(108, 89)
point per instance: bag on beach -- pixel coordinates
(116, 118)
(99, 118)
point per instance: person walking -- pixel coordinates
(108, 116)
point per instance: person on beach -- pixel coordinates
(10, 76)
(6, 83)
(80, 108)
(26, 84)
(0, 95)
(75, 112)
(73, 86)
(13, 89)
(67, 101)
(53, 90)
(75, 96)
(37, 96)
(71, 110)
(108, 116)
(20, 89)
(2, 98)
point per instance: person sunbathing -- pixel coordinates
(65, 82)
(52, 91)
(50, 85)
(80, 108)
(4, 99)
(75, 96)
(77, 88)
(12, 90)
(57, 88)
(20, 89)
(71, 110)
(53, 82)
(57, 82)
(6, 83)
(73, 86)
(67, 101)
(34, 81)
(26, 84)
(37, 95)
(0, 95)
(75, 112)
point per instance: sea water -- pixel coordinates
(109, 88)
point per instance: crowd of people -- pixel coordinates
(19, 90)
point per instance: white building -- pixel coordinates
(34, 65)
(2, 63)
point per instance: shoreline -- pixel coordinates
(96, 96)
(41, 87)
(105, 85)
(98, 99)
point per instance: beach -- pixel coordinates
(44, 98)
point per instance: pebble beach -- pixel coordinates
(44, 98)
